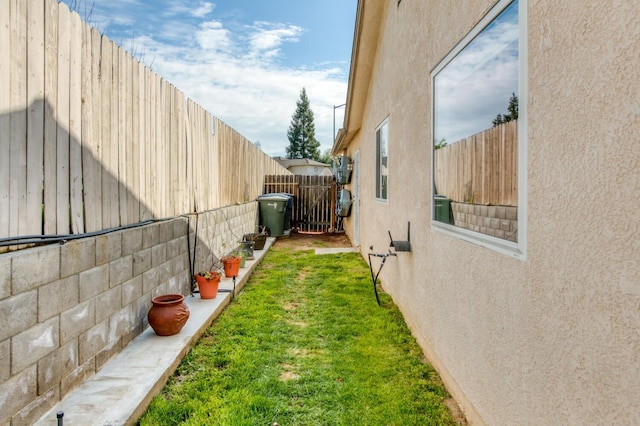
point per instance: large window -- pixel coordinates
(478, 132)
(382, 160)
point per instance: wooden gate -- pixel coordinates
(314, 201)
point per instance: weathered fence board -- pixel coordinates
(114, 147)
(480, 169)
(50, 116)
(62, 119)
(75, 124)
(131, 187)
(144, 144)
(18, 121)
(105, 126)
(35, 112)
(182, 194)
(133, 139)
(122, 175)
(5, 118)
(92, 172)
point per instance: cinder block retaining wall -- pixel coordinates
(65, 310)
(497, 221)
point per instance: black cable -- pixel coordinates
(63, 238)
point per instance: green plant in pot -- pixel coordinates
(208, 282)
(231, 265)
(259, 238)
(246, 249)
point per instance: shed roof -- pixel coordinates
(290, 162)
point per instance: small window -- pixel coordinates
(382, 160)
(479, 133)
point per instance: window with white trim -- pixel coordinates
(382, 160)
(479, 132)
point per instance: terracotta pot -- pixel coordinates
(208, 288)
(231, 265)
(168, 314)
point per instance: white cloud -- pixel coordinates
(248, 90)
(267, 38)
(212, 36)
(202, 10)
(235, 71)
(183, 7)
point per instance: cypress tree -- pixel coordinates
(302, 131)
(512, 115)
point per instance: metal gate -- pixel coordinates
(314, 201)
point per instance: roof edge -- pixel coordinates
(365, 44)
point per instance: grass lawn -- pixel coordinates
(304, 344)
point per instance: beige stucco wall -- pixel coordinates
(554, 338)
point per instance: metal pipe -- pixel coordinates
(333, 136)
(63, 238)
(375, 279)
(190, 260)
(195, 245)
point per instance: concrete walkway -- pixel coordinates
(122, 390)
(334, 250)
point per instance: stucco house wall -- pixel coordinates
(552, 337)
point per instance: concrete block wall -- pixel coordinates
(221, 232)
(497, 221)
(65, 310)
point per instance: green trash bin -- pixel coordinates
(272, 212)
(443, 209)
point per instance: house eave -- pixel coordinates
(365, 44)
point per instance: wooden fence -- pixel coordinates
(92, 139)
(481, 169)
(314, 201)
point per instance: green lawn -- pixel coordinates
(304, 344)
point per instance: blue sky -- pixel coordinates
(245, 61)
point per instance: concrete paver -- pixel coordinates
(334, 250)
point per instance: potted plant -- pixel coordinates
(231, 265)
(208, 282)
(246, 249)
(259, 239)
